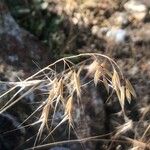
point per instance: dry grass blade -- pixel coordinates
(146, 131)
(80, 69)
(64, 84)
(39, 134)
(56, 143)
(28, 83)
(10, 90)
(138, 145)
(12, 98)
(125, 127)
(17, 100)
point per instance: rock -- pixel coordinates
(117, 35)
(88, 120)
(145, 2)
(18, 50)
(134, 70)
(8, 25)
(10, 140)
(95, 29)
(135, 6)
(136, 9)
(141, 35)
(119, 19)
(13, 58)
(18, 47)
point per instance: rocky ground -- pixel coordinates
(119, 29)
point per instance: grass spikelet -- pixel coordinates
(46, 110)
(97, 75)
(120, 90)
(68, 109)
(59, 90)
(66, 84)
(44, 120)
(128, 95)
(77, 84)
(122, 96)
(67, 116)
(116, 80)
(130, 88)
(92, 68)
(55, 87)
(45, 114)
(51, 97)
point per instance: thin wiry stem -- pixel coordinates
(93, 138)
(72, 57)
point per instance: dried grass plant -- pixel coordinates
(63, 86)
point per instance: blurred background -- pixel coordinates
(35, 33)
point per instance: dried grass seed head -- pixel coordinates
(77, 84)
(69, 108)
